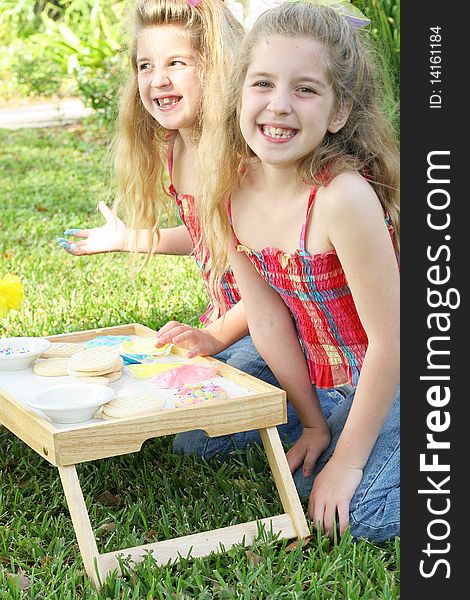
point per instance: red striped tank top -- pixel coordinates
(315, 289)
(189, 216)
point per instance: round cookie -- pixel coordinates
(106, 378)
(113, 376)
(96, 361)
(132, 406)
(51, 367)
(199, 393)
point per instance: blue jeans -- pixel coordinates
(244, 356)
(374, 512)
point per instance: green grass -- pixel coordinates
(52, 179)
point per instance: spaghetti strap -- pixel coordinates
(303, 232)
(229, 210)
(170, 160)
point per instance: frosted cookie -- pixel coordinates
(145, 346)
(194, 395)
(149, 369)
(62, 350)
(95, 361)
(183, 375)
(113, 376)
(51, 367)
(107, 340)
(132, 406)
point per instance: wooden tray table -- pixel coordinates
(263, 409)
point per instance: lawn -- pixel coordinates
(51, 180)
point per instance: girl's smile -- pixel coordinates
(167, 70)
(165, 103)
(277, 133)
(287, 109)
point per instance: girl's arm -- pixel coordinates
(114, 236)
(274, 335)
(357, 231)
(211, 340)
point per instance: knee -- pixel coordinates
(190, 443)
(377, 520)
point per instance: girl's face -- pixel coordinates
(287, 100)
(167, 67)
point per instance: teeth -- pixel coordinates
(167, 101)
(278, 132)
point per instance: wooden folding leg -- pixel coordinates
(81, 522)
(288, 525)
(283, 480)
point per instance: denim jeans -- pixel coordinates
(244, 356)
(374, 512)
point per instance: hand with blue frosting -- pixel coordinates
(111, 237)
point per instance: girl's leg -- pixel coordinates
(375, 506)
(244, 356)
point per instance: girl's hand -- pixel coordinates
(198, 342)
(306, 450)
(331, 495)
(111, 237)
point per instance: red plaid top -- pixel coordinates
(315, 289)
(189, 216)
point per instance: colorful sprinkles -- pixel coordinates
(191, 395)
(13, 350)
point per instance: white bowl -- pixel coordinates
(72, 402)
(34, 346)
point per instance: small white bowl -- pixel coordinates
(34, 346)
(72, 402)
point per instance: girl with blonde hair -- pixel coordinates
(300, 194)
(180, 56)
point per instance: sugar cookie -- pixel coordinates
(113, 376)
(95, 360)
(51, 367)
(194, 395)
(62, 350)
(132, 406)
(90, 377)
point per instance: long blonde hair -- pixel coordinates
(140, 143)
(366, 143)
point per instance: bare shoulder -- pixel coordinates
(351, 196)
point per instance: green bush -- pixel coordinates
(46, 46)
(32, 72)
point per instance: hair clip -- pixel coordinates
(193, 3)
(344, 7)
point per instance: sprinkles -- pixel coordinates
(13, 350)
(194, 395)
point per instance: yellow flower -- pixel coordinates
(11, 294)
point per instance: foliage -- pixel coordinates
(58, 44)
(385, 30)
(18, 18)
(86, 44)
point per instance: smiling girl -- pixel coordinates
(180, 56)
(307, 200)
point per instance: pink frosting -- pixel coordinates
(183, 375)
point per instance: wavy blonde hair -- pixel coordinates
(140, 144)
(366, 143)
